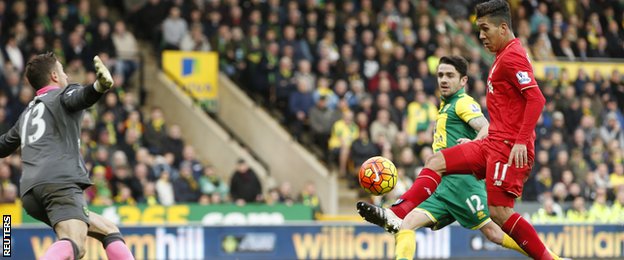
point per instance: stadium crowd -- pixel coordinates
(355, 78)
(132, 158)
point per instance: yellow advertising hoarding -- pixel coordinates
(542, 68)
(196, 73)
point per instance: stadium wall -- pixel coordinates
(336, 241)
(211, 142)
(287, 159)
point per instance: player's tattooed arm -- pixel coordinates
(481, 125)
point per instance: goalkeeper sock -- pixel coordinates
(405, 244)
(508, 242)
(424, 185)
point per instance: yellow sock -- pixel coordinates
(555, 257)
(405, 244)
(508, 242)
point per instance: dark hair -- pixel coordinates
(39, 68)
(496, 10)
(460, 64)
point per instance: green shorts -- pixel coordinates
(462, 198)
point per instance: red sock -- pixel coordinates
(424, 185)
(524, 234)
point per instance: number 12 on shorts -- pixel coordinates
(503, 173)
(478, 205)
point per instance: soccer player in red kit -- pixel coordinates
(505, 157)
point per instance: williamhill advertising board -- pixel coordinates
(358, 241)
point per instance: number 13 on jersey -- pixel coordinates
(34, 124)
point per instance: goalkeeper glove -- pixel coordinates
(104, 80)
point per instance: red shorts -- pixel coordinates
(488, 159)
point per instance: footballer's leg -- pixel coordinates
(405, 239)
(495, 234)
(382, 217)
(424, 185)
(65, 209)
(112, 240)
(504, 184)
(426, 215)
(464, 158)
(72, 234)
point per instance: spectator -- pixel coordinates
(165, 163)
(616, 178)
(544, 180)
(245, 187)
(284, 85)
(14, 54)
(420, 116)
(602, 176)
(559, 193)
(361, 149)
(300, 102)
(321, 120)
(125, 196)
(285, 193)
(323, 90)
(195, 40)
(127, 49)
(186, 189)
(103, 42)
(174, 28)
(550, 212)
(612, 130)
(164, 189)
(174, 144)
(188, 156)
(123, 178)
(599, 211)
(213, 186)
(308, 197)
(382, 126)
(101, 195)
(617, 210)
(578, 213)
(130, 145)
(78, 53)
(155, 132)
(149, 194)
(344, 132)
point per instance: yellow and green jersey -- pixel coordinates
(419, 116)
(453, 116)
(459, 197)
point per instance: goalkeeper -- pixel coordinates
(54, 174)
(459, 197)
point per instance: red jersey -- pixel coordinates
(510, 75)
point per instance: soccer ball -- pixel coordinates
(377, 175)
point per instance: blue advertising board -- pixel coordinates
(323, 241)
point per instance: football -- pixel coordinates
(377, 175)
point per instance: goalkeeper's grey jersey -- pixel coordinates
(48, 132)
